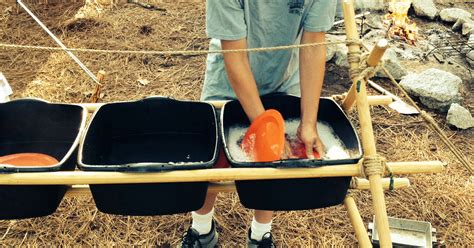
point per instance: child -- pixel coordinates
(241, 24)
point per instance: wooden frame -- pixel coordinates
(357, 95)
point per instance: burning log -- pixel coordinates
(398, 24)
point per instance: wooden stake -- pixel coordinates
(367, 134)
(206, 175)
(96, 95)
(357, 223)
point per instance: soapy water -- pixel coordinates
(335, 148)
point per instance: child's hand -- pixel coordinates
(308, 134)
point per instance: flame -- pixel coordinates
(398, 22)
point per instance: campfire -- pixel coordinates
(398, 24)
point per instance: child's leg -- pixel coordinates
(261, 224)
(202, 218)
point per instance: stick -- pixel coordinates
(357, 223)
(96, 95)
(226, 187)
(207, 175)
(367, 133)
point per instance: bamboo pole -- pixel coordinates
(374, 58)
(398, 183)
(226, 187)
(203, 175)
(373, 100)
(367, 134)
(357, 223)
(379, 100)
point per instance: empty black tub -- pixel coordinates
(35, 126)
(293, 194)
(154, 134)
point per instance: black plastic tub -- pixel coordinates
(36, 126)
(150, 135)
(293, 194)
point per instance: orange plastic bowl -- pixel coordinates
(28, 159)
(265, 138)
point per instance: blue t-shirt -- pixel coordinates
(264, 23)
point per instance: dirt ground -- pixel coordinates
(444, 199)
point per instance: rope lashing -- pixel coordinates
(354, 183)
(178, 52)
(377, 165)
(363, 71)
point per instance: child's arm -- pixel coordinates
(312, 69)
(241, 78)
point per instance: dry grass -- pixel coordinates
(445, 200)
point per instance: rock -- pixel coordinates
(425, 8)
(330, 51)
(340, 50)
(468, 27)
(341, 56)
(392, 63)
(470, 58)
(370, 4)
(375, 21)
(453, 14)
(459, 117)
(458, 24)
(372, 37)
(436, 89)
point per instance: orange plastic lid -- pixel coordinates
(265, 138)
(28, 159)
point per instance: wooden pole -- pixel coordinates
(379, 100)
(373, 60)
(357, 223)
(226, 187)
(373, 100)
(205, 175)
(367, 133)
(364, 184)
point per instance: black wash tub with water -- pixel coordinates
(150, 135)
(36, 126)
(293, 194)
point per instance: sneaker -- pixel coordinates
(192, 239)
(266, 242)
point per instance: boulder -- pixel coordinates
(341, 56)
(436, 89)
(470, 58)
(425, 8)
(459, 117)
(453, 14)
(393, 65)
(468, 27)
(330, 51)
(370, 4)
(340, 50)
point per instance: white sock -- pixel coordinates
(202, 222)
(257, 230)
